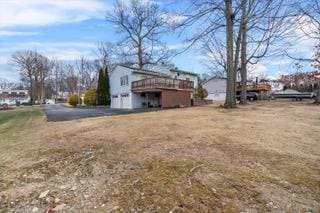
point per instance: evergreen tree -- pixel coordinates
(103, 87)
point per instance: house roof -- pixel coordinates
(143, 71)
(183, 71)
(150, 72)
(214, 77)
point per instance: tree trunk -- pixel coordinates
(140, 55)
(243, 70)
(318, 94)
(230, 101)
(31, 91)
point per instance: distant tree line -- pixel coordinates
(51, 78)
(233, 34)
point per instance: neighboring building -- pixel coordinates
(263, 89)
(154, 86)
(276, 85)
(216, 88)
(12, 97)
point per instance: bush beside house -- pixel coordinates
(200, 93)
(90, 98)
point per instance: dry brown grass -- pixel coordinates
(264, 157)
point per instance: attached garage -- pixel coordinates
(125, 101)
(115, 101)
(122, 101)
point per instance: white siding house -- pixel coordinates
(121, 80)
(276, 85)
(12, 97)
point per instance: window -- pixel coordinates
(143, 94)
(125, 95)
(124, 80)
(188, 79)
(114, 96)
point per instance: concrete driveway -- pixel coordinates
(59, 112)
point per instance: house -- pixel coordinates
(263, 89)
(216, 88)
(12, 97)
(153, 86)
(276, 85)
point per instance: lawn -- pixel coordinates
(264, 157)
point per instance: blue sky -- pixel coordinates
(69, 29)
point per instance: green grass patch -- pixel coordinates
(19, 119)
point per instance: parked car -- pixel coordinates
(252, 96)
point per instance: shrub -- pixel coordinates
(200, 93)
(90, 97)
(74, 100)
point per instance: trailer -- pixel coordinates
(292, 94)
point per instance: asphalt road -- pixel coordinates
(59, 112)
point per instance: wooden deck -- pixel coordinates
(256, 87)
(158, 83)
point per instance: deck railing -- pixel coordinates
(256, 87)
(162, 83)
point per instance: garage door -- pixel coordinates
(125, 101)
(115, 101)
(218, 96)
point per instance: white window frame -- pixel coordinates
(124, 80)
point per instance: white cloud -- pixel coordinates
(300, 43)
(278, 74)
(4, 59)
(17, 33)
(257, 70)
(278, 62)
(60, 50)
(46, 12)
(178, 46)
(173, 19)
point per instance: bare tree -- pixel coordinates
(107, 54)
(257, 26)
(264, 24)
(87, 71)
(58, 76)
(308, 19)
(4, 84)
(25, 62)
(34, 68)
(231, 75)
(71, 78)
(43, 68)
(8, 85)
(142, 23)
